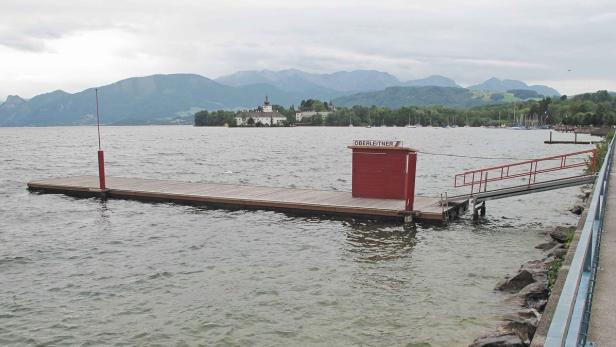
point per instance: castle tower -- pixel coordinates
(266, 105)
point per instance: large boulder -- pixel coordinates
(528, 313)
(557, 251)
(524, 328)
(532, 294)
(530, 272)
(560, 234)
(498, 340)
(522, 323)
(577, 209)
(515, 283)
(546, 245)
(538, 268)
(539, 305)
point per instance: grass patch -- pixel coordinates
(553, 272)
(601, 152)
(570, 235)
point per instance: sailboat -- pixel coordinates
(350, 122)
(369, 121)
(409, 125)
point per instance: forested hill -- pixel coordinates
(174, 98)
(396, 97)
(496, 85)
(138, 100)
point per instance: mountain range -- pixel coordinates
(341, 82)
(499, 86)
(169, 98)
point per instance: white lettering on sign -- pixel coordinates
(377, 143)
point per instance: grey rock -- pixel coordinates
(532, 294)
(528, 313)
(517, 282)
(530, 272)
(498, 340)
(524, 328)
(538, 268)
(546, 245)
(577, 209)
(559, 234)
(539, 305)
(557, 252)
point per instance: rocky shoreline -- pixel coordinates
(530, 288)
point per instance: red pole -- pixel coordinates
(101, 169)
(411, 166)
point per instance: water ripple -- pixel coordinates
(86, 272)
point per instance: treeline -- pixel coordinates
(595, 109)
(215, 118)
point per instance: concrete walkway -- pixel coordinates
(603, 314)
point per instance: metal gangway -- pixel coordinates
(528, 171)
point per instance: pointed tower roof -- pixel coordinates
(266, 101)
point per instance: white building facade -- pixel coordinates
(299, 116)
(265, 116)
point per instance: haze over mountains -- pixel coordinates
(165, 98)
(337, 82)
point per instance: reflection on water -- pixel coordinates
(373, 242)
(85, 271)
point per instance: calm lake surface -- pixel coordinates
(87, 272)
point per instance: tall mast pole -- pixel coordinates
(98, 121)
(101, 154)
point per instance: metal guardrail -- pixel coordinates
(570, 323)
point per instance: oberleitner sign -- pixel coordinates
(377, 143)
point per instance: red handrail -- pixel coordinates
(480, 177)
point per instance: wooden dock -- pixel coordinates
(563, 142)
(252, 197)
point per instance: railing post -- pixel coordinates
(530, 173)
(480, 180)
(409, 194)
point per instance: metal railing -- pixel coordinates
(479, 178)
(569, 325)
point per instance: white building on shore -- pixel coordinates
(264, 116)
(305, 115)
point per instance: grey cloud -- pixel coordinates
(520, 39)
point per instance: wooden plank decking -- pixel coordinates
(298, 200)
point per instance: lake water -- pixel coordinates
(83, 271)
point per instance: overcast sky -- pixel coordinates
(73, 45)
